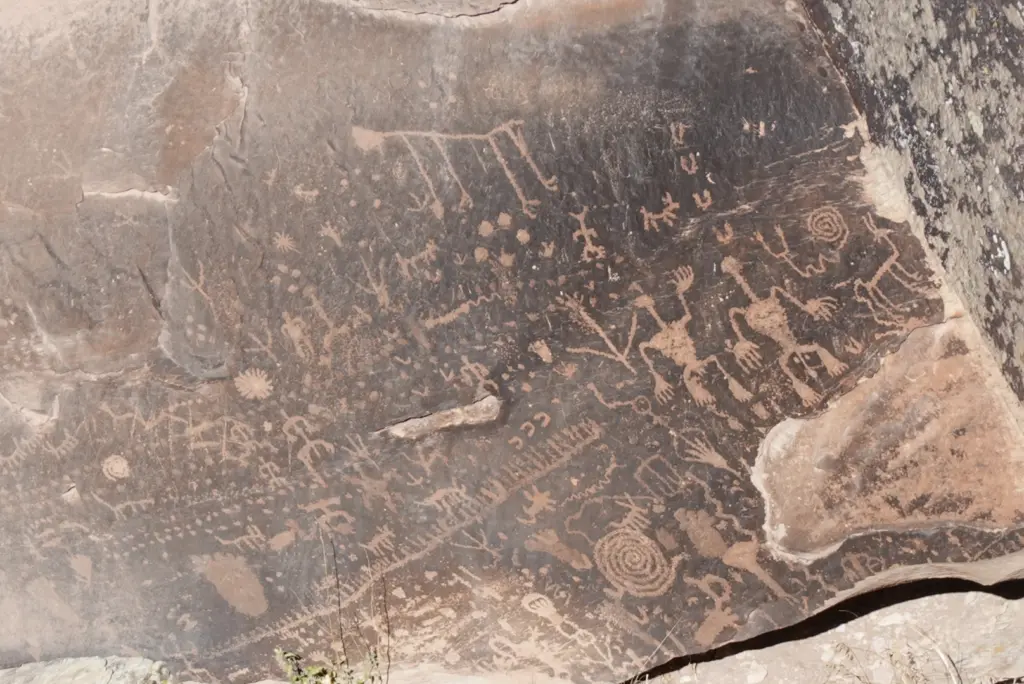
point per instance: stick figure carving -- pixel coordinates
(675, 343)
(767, 316)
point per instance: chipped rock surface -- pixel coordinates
(505, 340)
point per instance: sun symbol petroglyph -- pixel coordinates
(825, 225)
(767, 316)
(254, 384)
(634, 563)
(674, 342)
(284, 242)
(116, 467)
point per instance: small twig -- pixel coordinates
(387, 628)
(947, 662)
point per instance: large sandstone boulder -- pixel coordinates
(559, 340)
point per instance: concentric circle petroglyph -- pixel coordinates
(827, 225)
(634, 563)
(116, 467)
(254, 384)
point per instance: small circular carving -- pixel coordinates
(634, 563)
(116, 467)
(827, 225)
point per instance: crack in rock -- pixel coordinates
(480, 412)
(438, 13)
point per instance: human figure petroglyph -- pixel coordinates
(513, 130)
(674, 342)
(296, 330)
(883, 309)
(509, 655)
(329, 510)
(721, 617)
(539, 502)
(678, 131)
(826, 227)
(544, 608)
(653, 220)
(767, 316)
(378, 283)
(588, 236)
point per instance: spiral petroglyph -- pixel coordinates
(827, 225)
(116, 467)
(634, 563)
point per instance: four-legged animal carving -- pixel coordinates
(675, 343)
(767, 316)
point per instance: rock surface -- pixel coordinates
(323, 326)
(942, 87)
(112, 670)
(914, 641)
(969, 637)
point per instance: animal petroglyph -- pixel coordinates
(591, 250)
(653, 220)
(366, 140)
(767, 316)
(675, 343)
(883, 309)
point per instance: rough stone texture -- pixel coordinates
(916, 641)
(242, 244)
(942, 86)
(111, 670)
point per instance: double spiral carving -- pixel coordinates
(634, 563)
(827, 225)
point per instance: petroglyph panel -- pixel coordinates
(461, 338)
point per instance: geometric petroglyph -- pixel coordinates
(634, 563)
